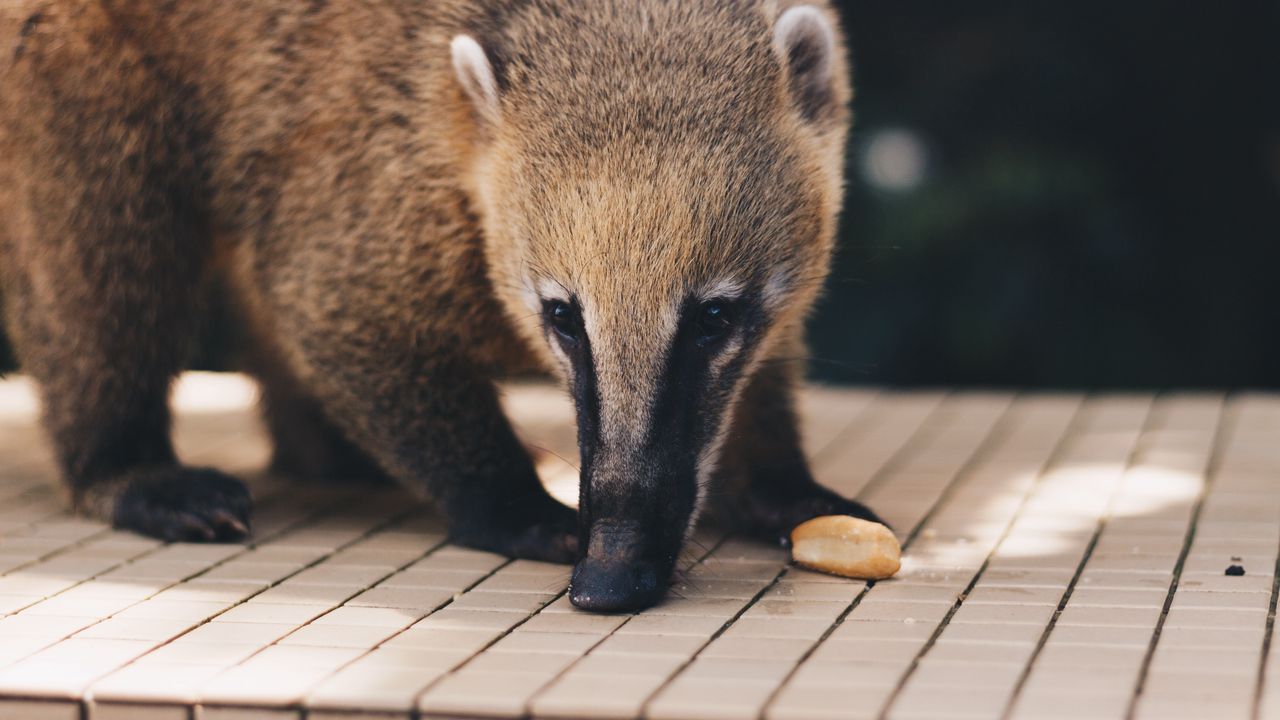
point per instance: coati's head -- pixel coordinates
(658, 184)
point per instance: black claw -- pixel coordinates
(190, 504)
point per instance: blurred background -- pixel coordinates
(1056, 194)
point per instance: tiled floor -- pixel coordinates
(1065, 558)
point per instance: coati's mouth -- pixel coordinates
(623, 569)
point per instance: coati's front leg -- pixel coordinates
(436, 424)
(768, 486)
(104, 251)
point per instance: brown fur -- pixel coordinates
(380, 234)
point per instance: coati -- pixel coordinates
(405, 200)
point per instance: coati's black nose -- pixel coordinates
(614, 586)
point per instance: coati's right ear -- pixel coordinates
(806, 43)
(475, 74)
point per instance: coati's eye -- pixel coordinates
(562, 317)
(715, 319)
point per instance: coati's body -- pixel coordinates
(399, 217)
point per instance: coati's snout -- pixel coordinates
(650, 404)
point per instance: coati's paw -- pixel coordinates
(773, 519)
(549, 536)
(184, 504)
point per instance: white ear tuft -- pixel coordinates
(475, 73)
(804, 39)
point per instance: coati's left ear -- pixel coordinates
(805, 41)
(475, 74)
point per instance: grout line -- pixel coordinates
(911, 536)
(1267, 639)
(852, 428)
(887, 469)
(341, 603)
(1100, 526)
(1225, 422)
(1055, 452)
(128, 561)
(87, 694)
(528, 711)
(414, 710)
(923, 433)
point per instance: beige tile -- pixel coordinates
(502, 601)
(1075, 655)
(1024, 633)
(1221, 600)
(43, 626)
(420, 600)
(473, 693)
(1200, 637)
(350, 575)
(791, 608)
(338, 636)
(135, 711)
(288, 593)
(900, 611)
(621, 665)
(669, 625)
(1062, 704)
(1102, 635)
(121, 628)
(755, 647)
(572, 623)
(1109, 616)
(238, 632)
(1005, 614)
(574, 695)
(959, 651)
(1173, 659)
(930, 674)
(458, 619)
(1013, 595)
(833, 703)
(305, 656)
(16, 709)
(950, 701)
(370, 616)
(870, 650)
(709, 699)
(370, 688)
(1114, 597)
(417, 658)
(1254, 619)
(264, 612)
(548, 663)
(695, 607)
(469, 640)
(536, 642)
(816, 675)
(189, 610)
(184, 652)
(854, 629)
(778, 627)
(178, 684)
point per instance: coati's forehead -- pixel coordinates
(660, 220)
(584, 73)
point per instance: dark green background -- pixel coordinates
(1101, 206)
